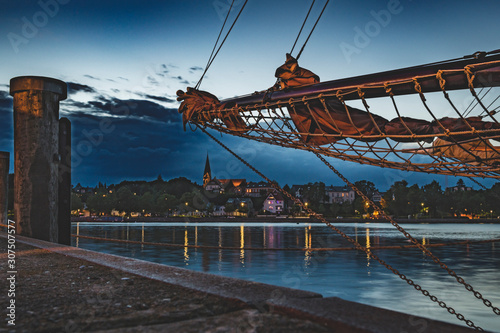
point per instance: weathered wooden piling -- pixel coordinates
(36, 154)
(64, 214)
(4, 185)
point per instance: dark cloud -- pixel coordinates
(69, 103)
(114, 149)
(7, 122)
(123, 78)
(196, 68)
(136, 109)
(76, 87)
(160, 72)
(152, 81)
(181, 79)
(92, 77)
(160, 98)
(5, 100)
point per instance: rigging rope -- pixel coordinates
(345, 236)
(215, 45)
(222, 43)
(314, 27)
(302, 27)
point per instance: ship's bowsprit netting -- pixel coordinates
(437, 123)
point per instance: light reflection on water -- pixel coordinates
(350, 275)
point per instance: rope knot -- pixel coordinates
(470, 75)
(418, 87)
(361, 93)
(442, 81)
(339, 95)
(388, 89)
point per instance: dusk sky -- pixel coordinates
(124, 60)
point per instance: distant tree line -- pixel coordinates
(158, 197)
(431, 201)
(161, 198)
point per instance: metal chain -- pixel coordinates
(451, 272)
(345, 236)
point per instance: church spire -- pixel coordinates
(207, 174)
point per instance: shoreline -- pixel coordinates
(269, 219)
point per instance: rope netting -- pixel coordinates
(441, 122)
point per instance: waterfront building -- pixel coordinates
(339, 194)
(214, 185)
(274, 203)
(256, 190)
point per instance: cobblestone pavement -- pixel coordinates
(56, 293)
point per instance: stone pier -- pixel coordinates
(36, 155)
(4, 185)
(64, 214)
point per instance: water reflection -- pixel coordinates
(242, 244)
(308, 241)
(186, 249)
(347, 274)
(77, 233)
(368, 248)
(142, 237)
(220, 250)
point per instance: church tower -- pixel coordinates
(207, 174)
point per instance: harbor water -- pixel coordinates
(286, 254)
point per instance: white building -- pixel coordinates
(274, 203)
(339, 194)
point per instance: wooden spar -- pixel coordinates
(399, 80)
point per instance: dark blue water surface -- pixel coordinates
(348, 274)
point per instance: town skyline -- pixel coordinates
(235, 197)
